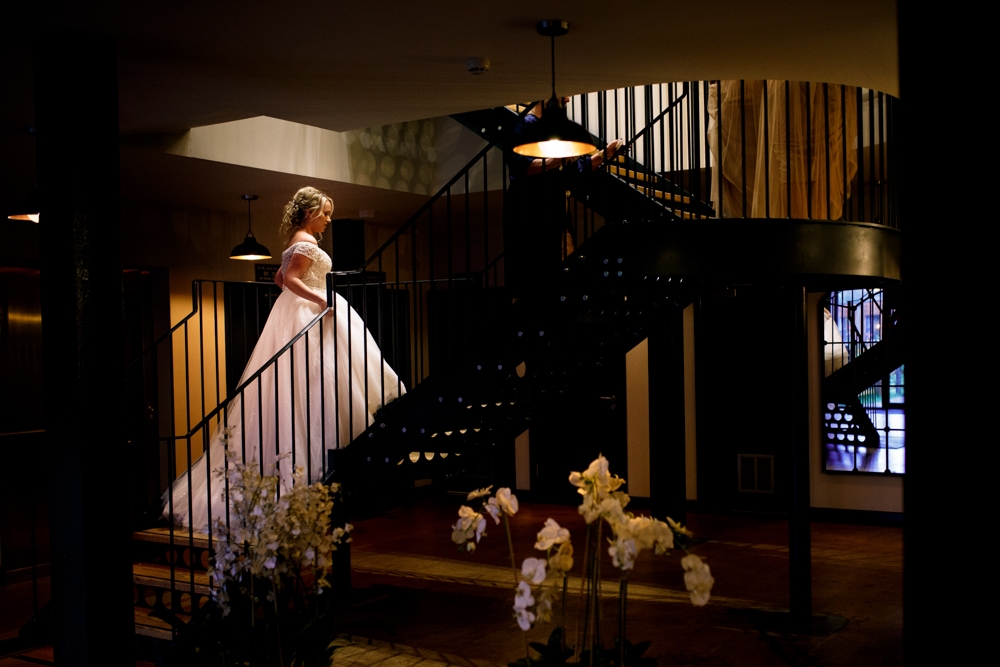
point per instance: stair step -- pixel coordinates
(150, 626)
(668, 198)
(181, 537)
(654, 183)
(158, 576)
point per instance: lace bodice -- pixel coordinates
(315, 276)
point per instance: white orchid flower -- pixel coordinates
(479, 493)
(622, 497)
(550, 535)
(623, 553)
(493, 509)
(698, 579)
(466, 516)
(469, 526)
(480, 528)
(523, 599)
(524, 619)
(506, 501)
(678, 528)
(533, 570)
(543, 611)
(562, 561)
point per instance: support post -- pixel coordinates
(799, 550)
(667, 443)
(76, 115)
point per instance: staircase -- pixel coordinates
(478, 367)
(169, 577)
(521, 354)
(551, 343)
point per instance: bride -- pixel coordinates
(328, 385)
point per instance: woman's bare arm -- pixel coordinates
(298, 265)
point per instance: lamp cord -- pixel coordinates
(553, 43)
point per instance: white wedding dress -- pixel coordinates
(320, 401)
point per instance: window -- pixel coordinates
(864, 415)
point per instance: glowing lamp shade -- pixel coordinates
(27, 208)
(554, 136)
(250, 249)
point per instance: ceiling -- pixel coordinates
(347, 65)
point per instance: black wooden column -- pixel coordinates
(667, 462)
(799, 550)
(76, 114)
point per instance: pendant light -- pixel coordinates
(27, 208)
(250, 249)
(554, 135)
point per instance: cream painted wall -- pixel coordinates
(191, 244)
(850, 492)
(637, 418)
(522, 461)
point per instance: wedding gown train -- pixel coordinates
(329, 384)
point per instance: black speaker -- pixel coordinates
(348, 238)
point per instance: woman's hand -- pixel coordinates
(606, 155)
(612, 148)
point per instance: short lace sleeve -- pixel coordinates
(314, 276)
(310, 250)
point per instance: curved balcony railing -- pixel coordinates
(753, 149)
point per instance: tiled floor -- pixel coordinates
(414, 588)
(417, 599)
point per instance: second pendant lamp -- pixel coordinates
(251, 248)
(554, 135)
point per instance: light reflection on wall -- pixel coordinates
(402, 156)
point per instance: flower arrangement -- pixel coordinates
(274, 538)
(537, 581)
(271, 565)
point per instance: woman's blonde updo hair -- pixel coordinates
(303, 206)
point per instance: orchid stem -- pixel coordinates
(510, 545)
(562, 639)
(622, 597)
(586, 607)
(513, 565)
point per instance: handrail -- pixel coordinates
(273, 360)
(440, 193)
(430, 202)
(13, 433)
(184, 320)
(625, 146)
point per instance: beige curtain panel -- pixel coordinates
(808, 155)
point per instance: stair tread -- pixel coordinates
(667, 198)
(655, 183)
(151, 626)
(161, 535)
(150, 574)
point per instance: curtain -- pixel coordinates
(804, 165)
